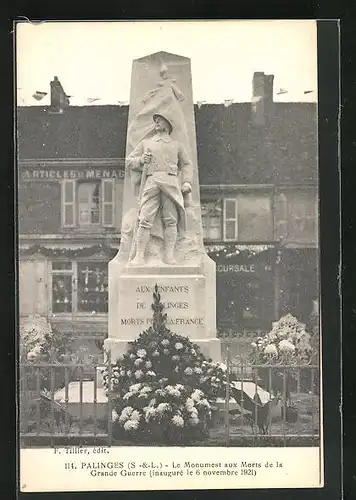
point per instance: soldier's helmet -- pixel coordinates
(168, 120)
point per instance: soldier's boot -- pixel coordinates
(142, 238)
(170, 238)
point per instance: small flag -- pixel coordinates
(90, 100)
(39, 95)
(282, 91)
(308, 91)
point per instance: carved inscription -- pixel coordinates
(171, 305)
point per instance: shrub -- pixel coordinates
(40, 341)
(287, 344)
(288, 340)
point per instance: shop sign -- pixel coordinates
(242, 268)
(53, 175)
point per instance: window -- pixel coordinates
(211, 220)
(302, 216)
(297, 215)
(88, 204)
(248, 217)
(89, 195)
(79, 287)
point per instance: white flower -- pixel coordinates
(31, 356)
(135, 415)
(138, 362)
(122, 373)
(138, 374)
(129, 373)
(155, 354)
(254, 345)
(161, 392)
(152, 402)
(198, 370)
(197, 395)
(141, 353)
(148, 364)
(286, 346)
(172, 391)
(271, 349)
(37, 349)
(178, 346)
(202, 380)
(163, 407)
(194, 421)
(114, 415)
(128, 395)
(204, 402)
(165, 351)
(149, 413)
(131, 425)
(125, 414)
(127, 410)
(135, 387)
(223, 367)
(165, 342)
(188, 371)
(193, 411)
(146, 389)
(178, 421)
(151, 373)
(132, 356)
(175, 358)
(189, 403)
(193, 352)
(180, 387)
(176, 369)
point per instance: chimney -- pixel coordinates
(262, 98)
(59, 99)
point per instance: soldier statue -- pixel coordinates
(165, 173)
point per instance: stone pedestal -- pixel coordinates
(187, 292)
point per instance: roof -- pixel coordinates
(230, 148)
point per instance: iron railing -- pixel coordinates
(265, 404)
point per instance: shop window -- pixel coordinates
(88, 204)
(212, 221)
(248, 217)
(62, 287)
(79, 287)
(92, 287)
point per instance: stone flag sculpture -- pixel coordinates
(163, 97)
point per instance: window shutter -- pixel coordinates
(108, 201)
(230, 219)
(281, 216)
(68, 203)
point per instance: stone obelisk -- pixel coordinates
(161, 85)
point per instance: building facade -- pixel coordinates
(258, 180)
